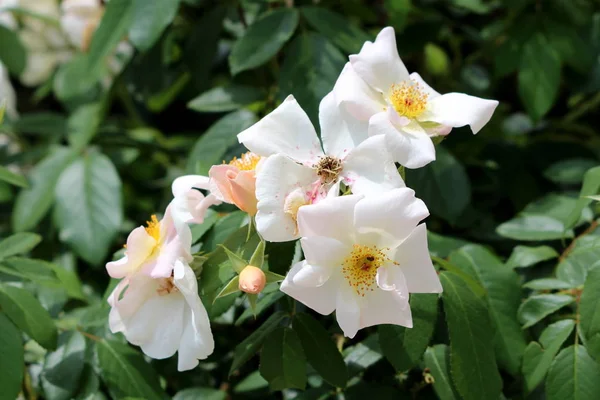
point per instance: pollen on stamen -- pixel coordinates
(360, 267)
(246, 162)
(409, 99)
(166, 286)
(328, 168)
(153, 227)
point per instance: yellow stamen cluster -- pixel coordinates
(166, 286)
(247, 162)
(153, 228)
(328, 169)
(360, 267)
(409, 99)
(292, 205)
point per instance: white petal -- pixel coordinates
(459, 109)
(139, 247)
(324, 251)
(415, 263)
(184, 183)
(167, 313)
(431, 93)
(286, 130)
(331, 217)
(393, 214)
(379, 63)
(354, 95)
(347, 310)
(385, 307)
(391, 278)
(338, 139)
(279, 177)
(369, 168)
(322, 299)
(412, 149)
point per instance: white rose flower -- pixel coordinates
(364, 255)
(299, 172)
(375, 87)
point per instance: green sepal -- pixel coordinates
(252, 298)
(258, 257)
(237, 262)
(273, 277)
(232, 287)
(198, 263)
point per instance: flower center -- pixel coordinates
(409, 99)
(292, 204)
(360, 267)
(247, 162)
(153, 228)
(328, 169)
(166, 286)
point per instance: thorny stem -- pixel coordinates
(28, 389)
(584, 108)
(571, 246)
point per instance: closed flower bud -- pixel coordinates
(252, 280)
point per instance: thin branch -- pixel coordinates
(569, 249)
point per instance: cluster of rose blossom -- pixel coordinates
(343, 196)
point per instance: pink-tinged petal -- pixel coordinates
(286, 130)
(197, 340)
(348, 309)
(412, 148)
(459, 109)
(385, 307)
(161, 266)
(219, 183)
(331, 217)
(378, 63)
(243, 190)
(139, 247)
(414, 261)
(369, 168)
(431, 93)
(355, 96)
(322, 299)
(276, 180)
(393, 215)
(324, 251)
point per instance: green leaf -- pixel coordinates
(245, 350)
(503, 297)
(63, 368)
(589, 312)
(442, 246)
(35, 270)
(574, 268)
(232, 287)
(280, 255)
(526, 256)
(404, 347)
(263, 304)
(436, 60)
(534, 228)
(150, 20)
(226, 98)
(570, 171)
(537, 359)
(12, 51)
(125, 371)
(83, 125)
(33, 203)
(443, 185)
(320, 350)
(258, 257)
(437, 359)
(263, 39)
(200, 393)
(210, 149)
(363, 355)
(42, 123)
(89, 209)
(539, 76)
(476, 6)
(19, 243)
(341, 32)
(474, 370)
(112, 29)
(73, 81)
(13, 178)
(237, 262)
(309, 71)
(547, 284)
(26, 312)
(537, 307)
(253, 381)
(11, 359)
(573, 375)
(591, 186)
(282, 360)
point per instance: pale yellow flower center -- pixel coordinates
(292, 204)
(409, 99)
(166, 286)
(247, 161)
(153, 228)
(360, 267)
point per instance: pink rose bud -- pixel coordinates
(252, 280)
(235, 183)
